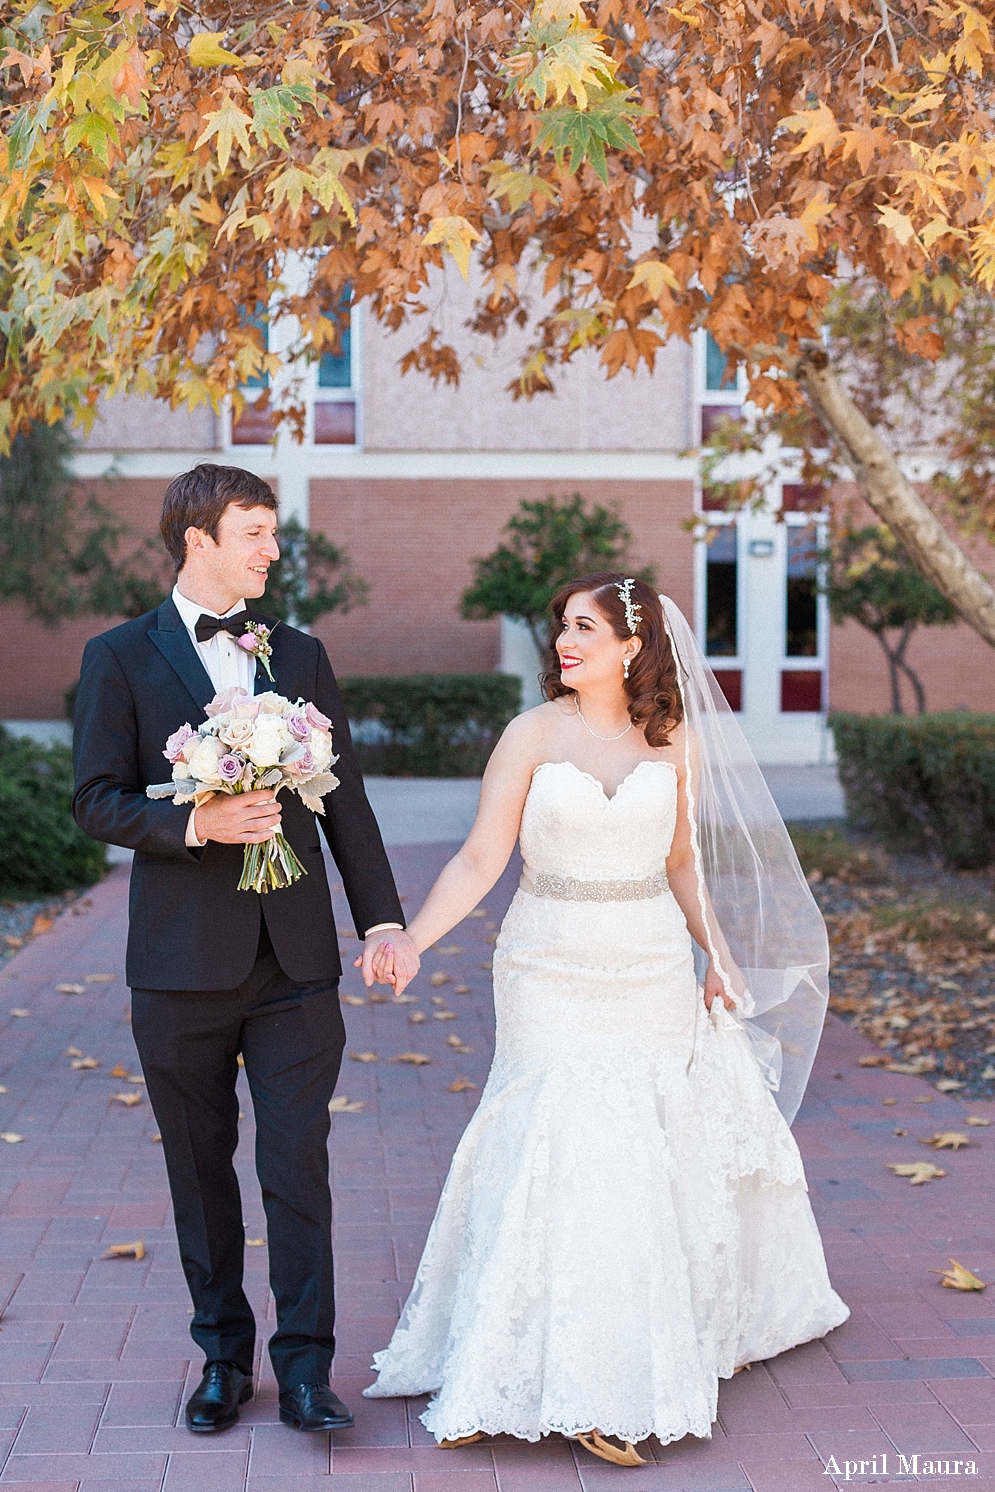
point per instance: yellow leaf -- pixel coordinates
(205, 50)
(461, 1085)
(377, 999)
(290, 186)
(438, 978)
(342, 1105)
(478, 912)
(405, 999)
(364, 1056)
(948, 1085)
(451, 948)
(353, 1000)
(255, 1243)
(71, 989)
(654, 276)
(9, 1136)
(230, 125)
(413, 1059)
(4, 1089)
(83, 1064)
(155, 1139)
(19, 1011)
(126, 1251)
(97, 189)
(918, 1171)
(820, 129)
(240, 1060)
(819, 207)
(444, 1015)
(973, 1120)
(133, 1079)
(517, 187)
(100, 978)
(959, 1278)
(457, 237)
(949, 1140)
(128, 1099)
(462, 989)
(897, 223)
(416, 1017)
(120, 1071)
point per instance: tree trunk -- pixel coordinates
(895, 500)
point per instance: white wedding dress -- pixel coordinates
(626, 1219)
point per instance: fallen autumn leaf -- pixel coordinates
(959, 1278)
(918, 1172)
(353, 1000)
(462, 989)
(126, 1250)
(461, 1085)
(10, 1137)
(342, 1105)
(81, 1064)
(19, 1010)
(99, 978)
(365, 1056)
(950, 1139)
(128, 1099)
(71, 989)
(439, 979)
(414, 1059)
(974, 1120)
(416, 1017)
(120, 1071)
(255, 1243)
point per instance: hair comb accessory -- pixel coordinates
(633, 610)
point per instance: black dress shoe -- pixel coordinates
(313, 1406)
(214, 1404)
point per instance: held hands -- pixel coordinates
(239, 818)
(389, 957)
(715, 989)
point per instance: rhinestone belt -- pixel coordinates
(567, 888)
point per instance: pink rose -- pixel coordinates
(176, 742)
(249, 641)
(224, 701)
(317, 719)
(247, 709)
(230, 768)
(298, 726)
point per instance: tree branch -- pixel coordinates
(895, 500)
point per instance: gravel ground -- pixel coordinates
(913, 959)
(20, 921)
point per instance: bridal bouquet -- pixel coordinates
(247, 742)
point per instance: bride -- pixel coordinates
(626, 1219)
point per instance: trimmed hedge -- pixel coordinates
(429, 725)
(922, 782)
(41, 847)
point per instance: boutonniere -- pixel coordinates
(256, 640)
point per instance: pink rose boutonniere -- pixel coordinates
(255, 640)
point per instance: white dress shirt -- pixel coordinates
(228, 667)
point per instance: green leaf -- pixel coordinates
(583, 133)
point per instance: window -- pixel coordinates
(721, 593)
(720, 396)
(715, 367)
(802, 593)
(334, 400)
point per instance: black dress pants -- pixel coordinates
(291, 1037)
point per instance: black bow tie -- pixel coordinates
(207, 626)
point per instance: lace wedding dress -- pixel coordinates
(626, 1219)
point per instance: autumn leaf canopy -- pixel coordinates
(607, 175)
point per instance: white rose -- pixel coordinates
(270, 739)
(321, 749)
(271, 703)
(203, 763)
(237, 732)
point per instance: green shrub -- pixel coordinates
(922, 783)
(41, 848)
(429, 725)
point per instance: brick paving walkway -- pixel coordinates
(95, 1357)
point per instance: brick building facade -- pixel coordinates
(416, 481)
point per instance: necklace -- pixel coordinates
(595, 733)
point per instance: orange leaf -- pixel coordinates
(126, 1251)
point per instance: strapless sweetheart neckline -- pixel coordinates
(600, 785)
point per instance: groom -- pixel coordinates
(217, 973)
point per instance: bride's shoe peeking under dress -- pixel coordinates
(626, 1219)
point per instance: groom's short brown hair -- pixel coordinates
(197, 499)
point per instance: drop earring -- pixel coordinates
(625, 668)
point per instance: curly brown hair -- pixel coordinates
(655, 703)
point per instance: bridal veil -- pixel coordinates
(748, 870)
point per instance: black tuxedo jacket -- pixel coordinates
(190, 927)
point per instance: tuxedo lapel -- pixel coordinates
(173, 641)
